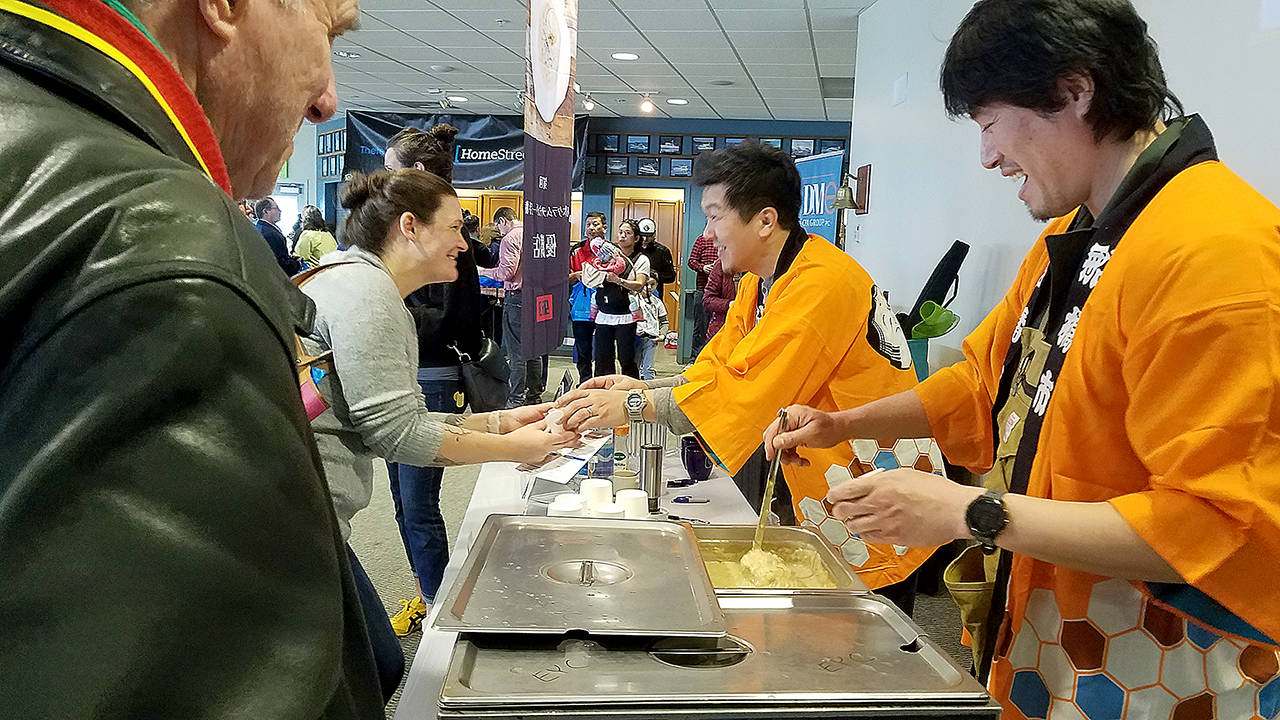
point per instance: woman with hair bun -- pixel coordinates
(404, 232)
(448, 318)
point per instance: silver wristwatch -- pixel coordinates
(635, 405)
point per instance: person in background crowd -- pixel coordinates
(702, 257)
(808, 322)
(447, 319)
(171, 550)
(314, 239)
(581, 297)
(616, 304)
(1123, 392)
(720, 290)
(486, 255)
(268, 213)
(651, 332)
(661, 265)
(528, 377)
(405, 232)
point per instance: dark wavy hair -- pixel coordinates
(377, 201)
(755, 176)
(433, 148)
(1016, 51)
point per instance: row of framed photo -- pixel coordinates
(331, 166)
(331, 142)
(644, 166)
(681, 145)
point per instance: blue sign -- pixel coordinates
(820, 177)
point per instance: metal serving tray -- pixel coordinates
(738, 538)
(782, 652)
(606, 577)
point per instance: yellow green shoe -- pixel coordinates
(409, 619)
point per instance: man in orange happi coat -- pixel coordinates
(1124, 391)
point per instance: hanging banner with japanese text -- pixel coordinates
(820, 177)
(548, 172)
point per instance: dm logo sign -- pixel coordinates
(820, 178)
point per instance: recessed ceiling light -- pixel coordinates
(677, 101)
(720, 83)
(435, 91)
(442, 68)
(457, 98)
(501, 21)
(646, 105)
(625, 56)
(348, 54)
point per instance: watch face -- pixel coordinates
(986, 516)
(635, 402)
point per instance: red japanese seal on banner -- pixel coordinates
(544, 305)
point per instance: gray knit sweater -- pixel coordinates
(377, 409)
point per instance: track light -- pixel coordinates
(588, 104)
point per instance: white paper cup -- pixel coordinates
(625, 479)
(567, 505)
(596, 492)
(609, 510)
(635, 503)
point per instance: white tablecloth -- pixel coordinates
(498, 490)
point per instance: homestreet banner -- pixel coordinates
(490, 150)
(549, 172)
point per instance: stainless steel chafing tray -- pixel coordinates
(800, 656)
(737, 539)
(606, 577)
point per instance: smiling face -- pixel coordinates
(1052, 155)
(739, 242)
(436, 243)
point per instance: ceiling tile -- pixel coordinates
(422, 21)
(767, 21)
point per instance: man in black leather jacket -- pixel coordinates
(168, 547)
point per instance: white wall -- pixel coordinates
(302, 165)
(927, 186)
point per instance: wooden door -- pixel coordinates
(668, 215)
(491, 201)
(471, 205)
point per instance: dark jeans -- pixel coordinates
(388, 657)
(616, 341)
(583, 346)
(700, 321)
(528, 377)
(416, 494)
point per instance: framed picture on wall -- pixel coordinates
(801, 148)
(342, 141)
(681, 167)
(827, 146)
(323, 149)
(616, 165)
(591, 165)
(638, 144)
(670, 144)
(730, 142)
(648, 166)
(776, 142)
(703, 144)
(608, 143)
